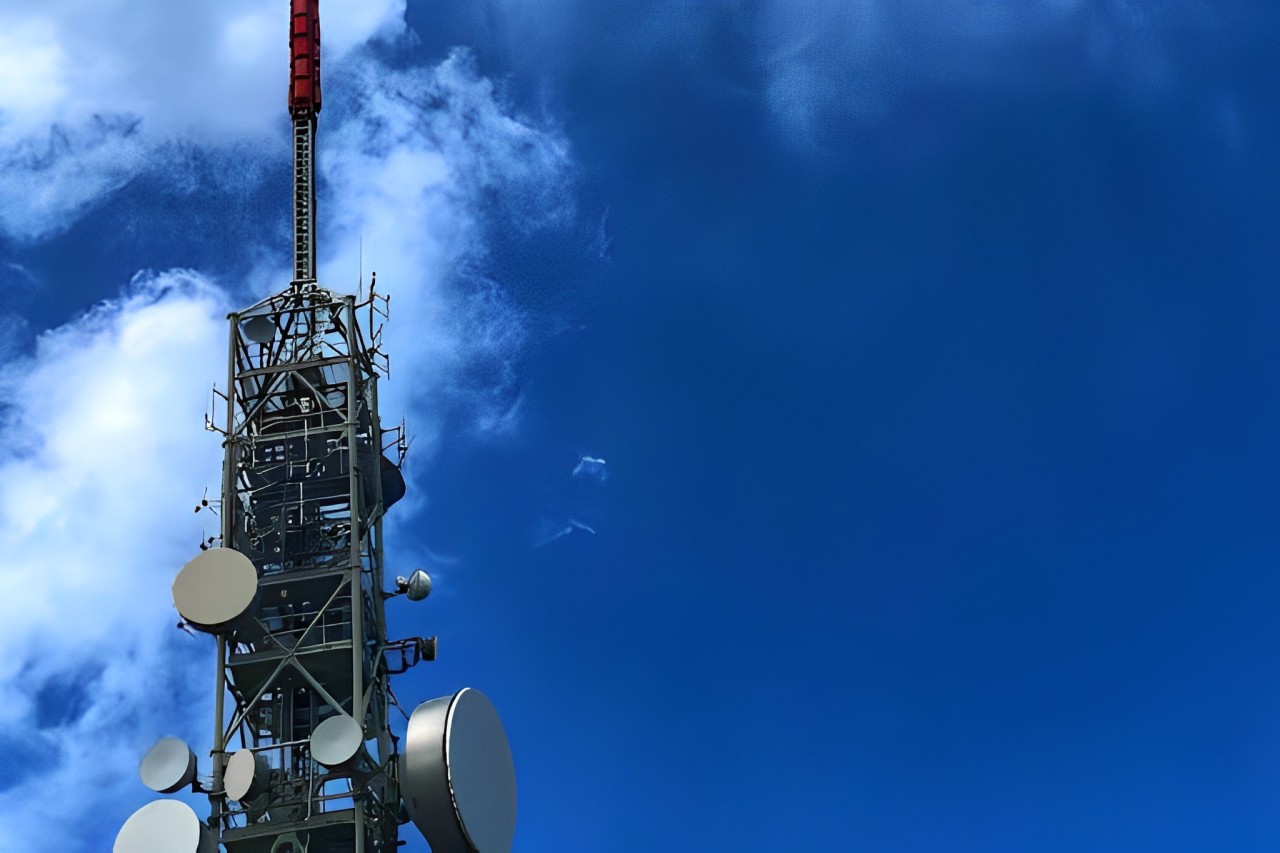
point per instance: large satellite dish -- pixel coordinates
(164, 826)
(169, 766)
(217, 590)
(457, 776)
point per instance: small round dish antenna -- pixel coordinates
(260, 329)
(457, 777)
(418, 586)
(247, 775)
(169, 766)
(217, 590)
(164, 826)
(336, 740)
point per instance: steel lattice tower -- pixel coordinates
(303, 755)
(305, 487)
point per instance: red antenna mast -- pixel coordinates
(304, 106)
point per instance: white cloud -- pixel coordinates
(425, 157)
(92, 95)
(31, 67)
(101, 450)
(50, 176)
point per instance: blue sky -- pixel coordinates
(929, 348)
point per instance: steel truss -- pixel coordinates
(306, 482)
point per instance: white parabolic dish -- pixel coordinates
(169, 766)
(216, 588)
(164, 826)
(458, 779)
(419, 585)
(336, 740)
(246, 775)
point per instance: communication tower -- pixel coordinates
(293, 589)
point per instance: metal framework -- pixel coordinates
(303, 758)
(305, 483)
(305, 487)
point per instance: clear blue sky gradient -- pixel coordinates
(942, 446)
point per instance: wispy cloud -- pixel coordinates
(556, 532)
(15, 276)
(591, 468)
(423, 161)
(828, 62)
(579, 498)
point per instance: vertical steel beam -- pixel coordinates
(304, 198)
(228, 498)
(355, 387)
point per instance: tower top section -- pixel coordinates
(304, 53)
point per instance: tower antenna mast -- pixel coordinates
(304, 109)
(304, 759)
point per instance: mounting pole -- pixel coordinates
(304, 107)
